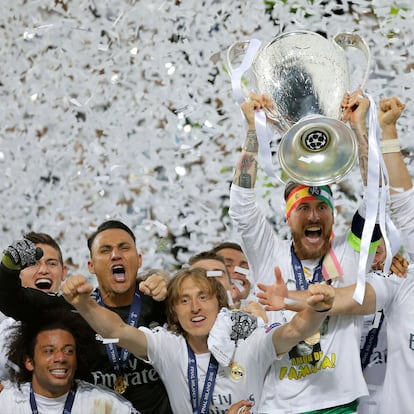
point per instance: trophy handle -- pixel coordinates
(235, 54)
(345, 40)
(241, 54)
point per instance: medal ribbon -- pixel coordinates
(119, 362)
(301, 282)
(371, 340)
(209, 383)
(67, 409)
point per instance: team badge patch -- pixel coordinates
(243, 325)
(236, 371)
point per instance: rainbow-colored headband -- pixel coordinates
(305, 193)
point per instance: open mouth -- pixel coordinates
(198, 319)
(313, 232)
(59, 372)
(119, 273)
(239, 284)
(43, 284)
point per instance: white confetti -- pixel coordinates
(116, 110)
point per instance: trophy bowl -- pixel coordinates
(306, 76)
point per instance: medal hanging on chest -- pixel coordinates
(313, 339)
(119, 362)
(121, 384)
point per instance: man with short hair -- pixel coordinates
(115, 261)
(197, 378)
(238, 267)
(46, 275)
(48, 366)
(305, 384)
(49, 271)
(215, 266)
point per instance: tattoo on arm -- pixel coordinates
(251, 144)
(245, 181)
(246, 171)
(246, 168)
(363, 153)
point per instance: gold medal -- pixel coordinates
(121, 384)
(314, 339)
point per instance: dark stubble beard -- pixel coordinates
(304, 253)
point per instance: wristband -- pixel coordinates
(8, 263)
(390, 145)
(323, 310)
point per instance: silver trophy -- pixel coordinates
(306, 77)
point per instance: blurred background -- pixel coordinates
(123, 109)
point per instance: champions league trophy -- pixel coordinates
(306, 76)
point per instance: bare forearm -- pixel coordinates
(102, 320)
(362, 136)
(109, 325)
(246, 167)
(345, 304)
(296, 300)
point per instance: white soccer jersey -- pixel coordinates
(242, 379)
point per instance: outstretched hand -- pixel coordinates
(272, 297)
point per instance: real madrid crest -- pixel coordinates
(121, 384)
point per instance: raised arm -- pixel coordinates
(389, 112)
(246, 167)
(344, 303)
(356, 106)
(103, 321)
(306, 322)
(23, 303)
(276, 297)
